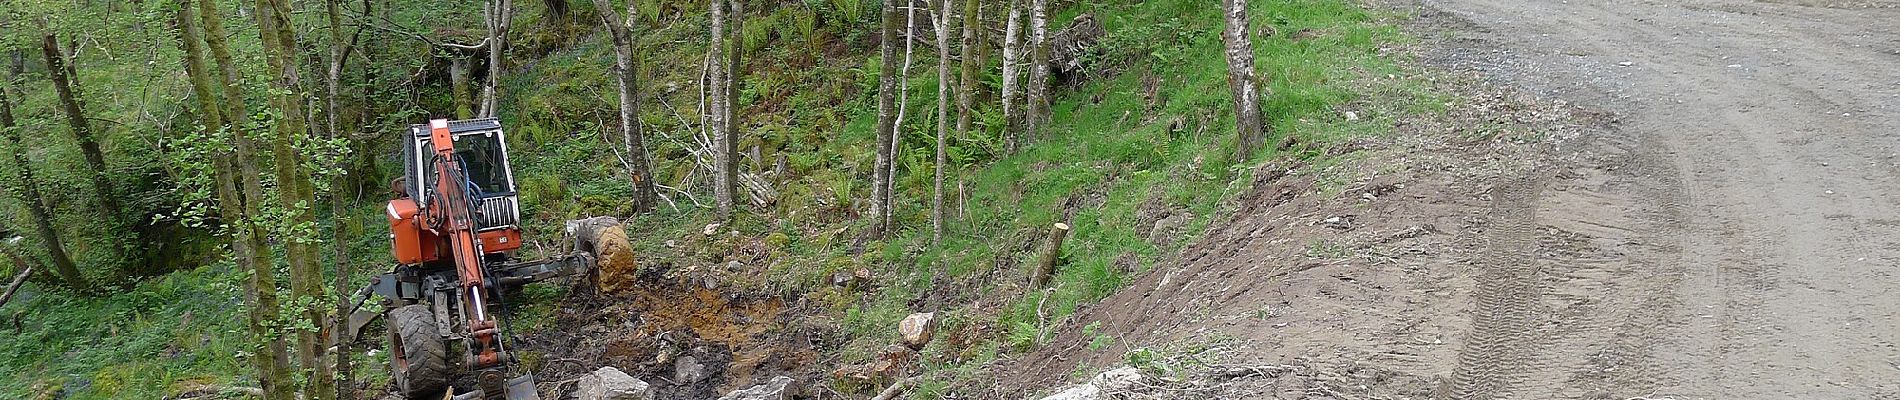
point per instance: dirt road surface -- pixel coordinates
(1711, 211)
(1747, 241)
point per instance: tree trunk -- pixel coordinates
(1038, 71)
(724, 187)
(1249, 124)
(236, 169)
(1012, 71)
(29, 194)
(903, 109)
(498, 14)
(295, 192)
(729, 135)
(886, 118)
(1046, 266)
(944, 94)
(337, 380)
(966, 96)
(18, 280)
(61, 73)
(458, 86)
(627, 76)
(971, 63)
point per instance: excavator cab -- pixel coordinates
(454, 229)
(481, 150)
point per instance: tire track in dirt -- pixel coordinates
(1499, 348)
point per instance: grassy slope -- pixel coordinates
(816, 111)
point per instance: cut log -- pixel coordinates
(1046, 269)
(606, 240)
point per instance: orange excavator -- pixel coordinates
(454, 228)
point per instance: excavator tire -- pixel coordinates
(419, 360)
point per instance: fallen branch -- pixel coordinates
(17, 280)
(761, 192)
(897, 388)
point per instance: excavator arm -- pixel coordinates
(449, 216)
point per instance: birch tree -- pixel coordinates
(497, 15)
(717, 75)
(627, 77)
(944, 95)
(903, 108)
(1012, 72)
(1249, 124)
(1038, 70)
(730, 130)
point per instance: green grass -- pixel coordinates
(184, 327)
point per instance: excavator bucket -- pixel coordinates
(518, 388)
(522, 388)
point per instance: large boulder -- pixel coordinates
(608, 383)
(917, 328)
(780, 388)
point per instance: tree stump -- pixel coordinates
(1046, 268)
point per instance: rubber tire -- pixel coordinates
(413, 330)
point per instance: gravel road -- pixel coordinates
(1743, 222)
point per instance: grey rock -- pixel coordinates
(1165, 229)
(608, 383)
(1110, 381)
(687, 369)
(780, 388)
(917, 329)
(1118, 379)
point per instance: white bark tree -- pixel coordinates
(1038, 70)
(625, 33)
(944, 94)
(497, 15)
(1012, 73)
(718, 80)
(1249, 124)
